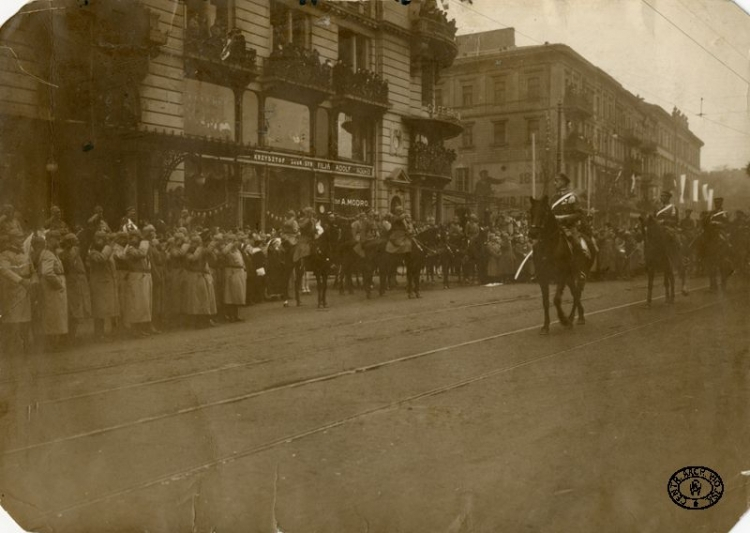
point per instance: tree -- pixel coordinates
(747, 169)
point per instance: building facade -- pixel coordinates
(236, 110)
(618, 150)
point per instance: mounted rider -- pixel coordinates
(472, 229)
(570, 216)
(400, 237)
(717, 221)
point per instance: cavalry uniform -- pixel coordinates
(472, 229)
(399, 240)
(717, 223)
(367, 235)
(569, 215)
(54, 294)
(138, 284)
(103, 283)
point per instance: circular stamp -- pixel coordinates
(695, 487)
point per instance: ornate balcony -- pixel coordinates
(359, 93)
(578, 147)
(648, 147)
(632, 137)
(436, 123)
(431, 162)
(297, 74)
(434, 36)
(220, 60)
(577, 105)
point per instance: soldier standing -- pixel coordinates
(79, 297)
(103, 284)
(16, 273)
(235, 278)
(138, 285)
(54, 293)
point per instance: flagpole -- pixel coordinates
(533, 165)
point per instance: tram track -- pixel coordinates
(235, 335)
(282, 386)
(185, 473)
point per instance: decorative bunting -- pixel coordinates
(696, 185)
(683, 181)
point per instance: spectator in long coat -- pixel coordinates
(121, 267)
(200, 299)
(235, 278)
(105, 304)
(79, 297)
(138, 285)
(54, 292)
(157, 259)
(175, 276)
(16, 273)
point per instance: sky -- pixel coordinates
(659, 49)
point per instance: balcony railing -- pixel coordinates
(299, 66)
(362, 84)
(431, 159)
(632, 137)
(648, 146)
(434, 36)
(577, 103)
(220, 59)
(578, 146)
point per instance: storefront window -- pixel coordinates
(287, 125)
(322, 134)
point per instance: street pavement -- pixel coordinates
(445, 414)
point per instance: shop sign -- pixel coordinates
(351, 202)
(308, 163)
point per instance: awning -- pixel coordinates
(351, 183)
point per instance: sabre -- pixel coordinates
(523, 263)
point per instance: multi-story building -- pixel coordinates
(236, 110)
(618, 150)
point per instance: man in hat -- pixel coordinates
(9, 221)
(127, 224)
(399, 240)
(54, 292)
(235, 278)
(103, 284)
(55, 221)
(97, 223)
(568, 211)
(79, 297)
(16, 273)
(138, 285)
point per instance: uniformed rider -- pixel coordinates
(569, 214)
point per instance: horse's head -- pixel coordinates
(538, 215)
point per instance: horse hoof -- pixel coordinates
(299, 304)
(544, 331)
(286, 304)
(581, 321)
(418, 295)
(685, 292)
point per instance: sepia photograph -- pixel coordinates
(374, 266)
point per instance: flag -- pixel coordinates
(632, 183)
(710, 200)
(683, 181)
(705, 191)
(696, 185)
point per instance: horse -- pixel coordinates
(320, 262)
(556, 261)
(660, 252)
(716, 254)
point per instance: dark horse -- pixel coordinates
(716, 255)
(555, 261)
(376, 257)
(662, 253)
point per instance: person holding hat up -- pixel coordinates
(79, 297)
(103, 284)
(54, 292)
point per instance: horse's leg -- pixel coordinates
(383, 271)
(581, 319)
(409, 276)
(668, 285)
(559, 288)
(544, 286)
(575, 293)
(417, 274)
(367, 270)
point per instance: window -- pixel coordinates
(429, 78)
(354, 138)
(499, 131)
(532, 126)
(462, 180)
(467, 138)
(353, 50)
(287, 125)
(289, 26)
(533, 88)
(499, 91)
(467, 95)
(207, 19)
